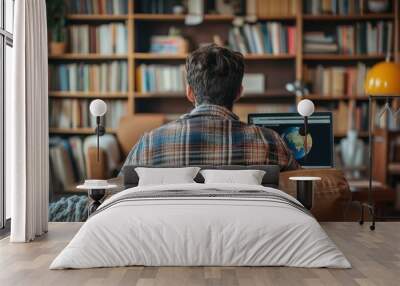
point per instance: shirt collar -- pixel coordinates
(211, 110)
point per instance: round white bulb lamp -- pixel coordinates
(98, 107)
(305, 107)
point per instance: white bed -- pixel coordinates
(267, 229)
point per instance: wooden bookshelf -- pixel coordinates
(279, 69)
(317, 97)
(76, 131)
(96, 17)
(88, 57)
(105, 95)
(338, 57)
(361, 17)
(173, 17)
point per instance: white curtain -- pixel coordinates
(27, 160)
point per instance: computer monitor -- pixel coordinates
(291, 128)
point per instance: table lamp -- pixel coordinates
(382, 81)
(305, 108)
(98, 108)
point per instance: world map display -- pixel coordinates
(295, 141)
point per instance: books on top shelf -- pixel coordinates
(74, 113)
(336, 81)
(360, 38)
(102, 39)
(333, 7)
(160, 78)
(263, 38)
(107, 7)
(104, 77)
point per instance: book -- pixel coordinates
(103, 7)
(74, 113)
(263, 38)
(168, 45)
(104, 77)
(336, 81)
(333, 7)
(253, 83)
(160, 78)
(103, 39)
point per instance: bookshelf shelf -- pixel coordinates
(337, 57)
(154, 56)
(96, 17)
(88, 57)
(361, 17)
(265, 95)
(317, 97)
(77, 131)
(106, 95)
(208, 17)
(174, 17)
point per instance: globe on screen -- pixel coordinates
(295, 141)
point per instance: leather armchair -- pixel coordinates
(331, 195)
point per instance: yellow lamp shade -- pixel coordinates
(383, 79)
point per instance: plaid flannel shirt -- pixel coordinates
(211, 135)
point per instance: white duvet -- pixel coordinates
(200, 231)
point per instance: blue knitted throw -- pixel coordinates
(72, 208)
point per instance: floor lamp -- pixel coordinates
(382, 82)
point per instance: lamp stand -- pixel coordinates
(305, 138)
(370, 205)
(100, 131)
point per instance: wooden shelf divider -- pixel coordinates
(78, 94)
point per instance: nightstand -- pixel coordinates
(305, 193)
(97, 190)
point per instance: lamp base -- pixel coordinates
(371, 210)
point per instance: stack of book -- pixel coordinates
(335, 7)
(336, 81)
(74, 113)
(104, 77)
(319, 42)
(263, 38)
(168, 45)
(67, 161)
(102, 39)
(160, 78)
(107, 7)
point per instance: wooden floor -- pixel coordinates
(375, 257)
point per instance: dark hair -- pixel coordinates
(215, 74)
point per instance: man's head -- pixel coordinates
(214, 76)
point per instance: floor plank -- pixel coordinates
(375, 257)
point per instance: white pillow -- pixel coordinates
(248, 177)
(166, 176)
